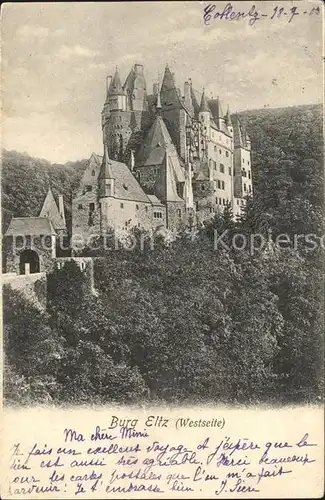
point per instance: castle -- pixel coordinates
(169, 161)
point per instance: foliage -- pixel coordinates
(184, 320)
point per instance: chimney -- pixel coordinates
(155, 89)
(108, 82)
(61, 208)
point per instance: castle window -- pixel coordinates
(227, 154)
(222, 168)
(137, 207)
(79, 206)
(179, 212)
(249, 174)
(216, 201)
(243, 160)
(82, 265)
(237, 202)
(243, 172)
(220, 152)
(245, 189)
(250, 188)
(93, 173)
(215, 149)
(247, 162)
(211, 209)
(223, 201)
(91, 207)
(146, 209)
(202, 187)
(229, 170)
(222, 184)
(220, 201)
(121, 205)
(219, 184)
(88, 188)
(157, 215)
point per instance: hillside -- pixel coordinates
(187, 322)
(287, 151)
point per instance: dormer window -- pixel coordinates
(126, 187)
(158, 145)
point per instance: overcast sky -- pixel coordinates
(56, 57)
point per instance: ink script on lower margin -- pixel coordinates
(124, 460)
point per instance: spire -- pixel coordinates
(228, 117)
(158, 104)
(106, 167)
(115, 87)
(204, 107)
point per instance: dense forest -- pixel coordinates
(184, 321)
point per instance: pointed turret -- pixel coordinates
(158, 104)
(106, 178)
(228, 118)
(239, 133)
(115, 95)
(115, 87)
(169, 95)
(204, 107)
(51, 211)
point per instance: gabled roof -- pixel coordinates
(157, 141)
(32, 226)
(115, 87)
(126, 185)
(50, 210)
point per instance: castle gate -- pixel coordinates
(29, 262)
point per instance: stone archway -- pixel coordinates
(29, 262)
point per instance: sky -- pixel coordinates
(56, 56)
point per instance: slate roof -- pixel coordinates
(32, 226)
(106, 171)
(50, 210)
(115, 87)
(165, 186)
(126, 185)
(204, 104)
(157, 141)
(154, 200)
(239, 132)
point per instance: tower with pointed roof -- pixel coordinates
(125, 113)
